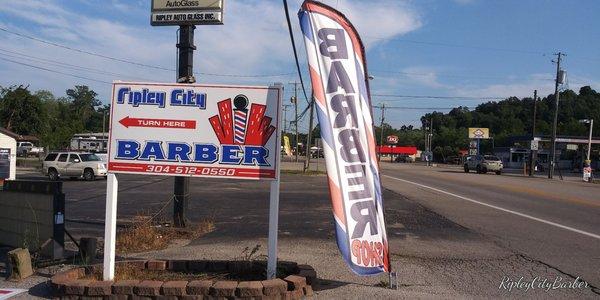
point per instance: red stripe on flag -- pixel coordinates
(337, 202)
(317, 86)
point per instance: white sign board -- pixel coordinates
(195, 130)
(167, 18)
(186, 12)
(535, 146)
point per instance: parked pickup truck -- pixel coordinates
(27, 149)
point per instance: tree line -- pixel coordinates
(508, 118)
(54, 120)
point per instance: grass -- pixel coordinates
(300, 172)
(144, 235)
(125, 272)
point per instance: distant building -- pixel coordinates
(8, 155)
(92, 142)
(570, 151)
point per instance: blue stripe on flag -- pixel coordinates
(305, 25)
(326, 131)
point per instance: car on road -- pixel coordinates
(404, 158)
(483, 164)
(73, 165)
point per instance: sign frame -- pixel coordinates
(392, 139)
(112, 190)
(188, 15)
(115, 121)
(484, 136)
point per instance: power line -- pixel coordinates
(423, 108)
(439, 97)
(84, 51)
(66, 65)
(121, 60)
(54, 71)
(458, 45)
(289, 23)
(442, 75)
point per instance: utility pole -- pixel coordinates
(285, 109)
(533, 153)
(430, 142)
(185, 74)
(104, 124)
(589, 152)
(309, 138)
(295, 101)
(556, 98)
(381, 129)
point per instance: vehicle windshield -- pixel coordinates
(491, 157)
(89, 157)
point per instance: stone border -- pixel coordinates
(297, 284)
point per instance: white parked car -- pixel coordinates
(483, 164)
(73, 165)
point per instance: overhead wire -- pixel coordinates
(67, 65)
(289, 23)
(440, 97)
(130, 62)
(54, 71)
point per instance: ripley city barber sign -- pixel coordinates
(194, 130)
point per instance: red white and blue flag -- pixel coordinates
(337, 64)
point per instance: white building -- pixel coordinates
(8, 155)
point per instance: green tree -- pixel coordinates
(20, 111)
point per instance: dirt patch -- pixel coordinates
(144, 235)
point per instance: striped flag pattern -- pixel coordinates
(240, 118)
(337, 66)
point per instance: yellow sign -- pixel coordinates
(479, 133)
(286, 145)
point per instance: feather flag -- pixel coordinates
(338, 69)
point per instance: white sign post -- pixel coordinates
(110, 227)
(196, 131)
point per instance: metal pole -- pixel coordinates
(381, 130)
(296, 114)
(589, 152)
(532, 153)
(556, 97)
(309, 138)
(185, 75)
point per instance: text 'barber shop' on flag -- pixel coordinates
(337, 64)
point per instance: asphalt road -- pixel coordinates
(441, 245)
(552, 222)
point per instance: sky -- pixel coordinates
(471, 50)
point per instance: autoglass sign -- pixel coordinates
(161, 5)
(187, 12)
